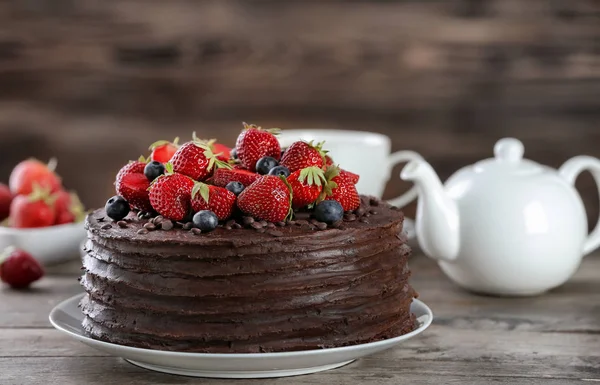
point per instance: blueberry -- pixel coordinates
(233, 153)
(117, 208)
(265, 164)
(280, 170)
(235, 187)
(153, 170)
(205, 220)
(329, 211)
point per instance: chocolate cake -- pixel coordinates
(249, 285)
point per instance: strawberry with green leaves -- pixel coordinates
(254, 143)
(30, 171)
(307, 184)
(303, 154)
(33, 210)
(163, 150)
(68, 208)
(340, 189)
(216, 199)
(170, 194)
(223, 176)
(196, 160)
(133, 185)
(268, 198)
(350, 176)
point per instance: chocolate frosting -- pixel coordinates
(244, 291)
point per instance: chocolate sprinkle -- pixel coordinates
(275, 233)
(122, 224)
(247, 221)
(236, 226)
(158, 219)
(291, 222)
(196, 231)
(363, 220)
(142, 231)
(301, 222)
(106, 227)
(166, 225)
(373, 212)
(101, 219)
(374, 202)
(360, 211)
(188, 225)
(230, 222)
(270, 225)
(263, 223)
(281, 224)
(350, 217)
(227, 227)
(261, 230)
(336, 224)
(321, 225)
(256, 225)
(367, 215)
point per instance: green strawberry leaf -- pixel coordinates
(201, 188)
(168, 168)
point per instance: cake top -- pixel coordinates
(203, 185)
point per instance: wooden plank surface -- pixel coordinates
(550, 339)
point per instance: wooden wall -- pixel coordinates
(95, 81)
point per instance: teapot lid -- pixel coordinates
(508, 158)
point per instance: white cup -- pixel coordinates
(367, 154)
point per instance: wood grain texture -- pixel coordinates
(95, 82)
(550, 339)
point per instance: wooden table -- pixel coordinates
(552, 339)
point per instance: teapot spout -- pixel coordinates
(437, 221)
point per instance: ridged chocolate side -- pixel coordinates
(244, 291)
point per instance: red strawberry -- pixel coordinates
(18, 268)
(307, 185)
(254, 143)
(170, 194)
(163, 150)
(196, 160)
(133, 185)
(5, 199)
(302, 154)
(31, 171)
(268, 198)
(340, 189)
(68, 208)
(350, 176)
(217, 199)
(223, 152)
(223, 176)
(328, 161)
(33, 210)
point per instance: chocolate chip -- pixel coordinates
(281, 224)
(364, 220)
(270, 225)
(302, 215)
(263, 223)
(247, 221)
(307, 227)
(261, 230)
(178, 224)
(275, 233)
(227, 227)
(321, 225)
(142, 231)
(374, 202)
(122, 224)
(188, 225)
(196, 231)
(301, 222)
(236, 226)
(336, 224)
(166, 225)
(360, 211)
(106, 227)
(156, 220)
(367, 215)
(291, 222)
(150, 226)
(314, 221)
(101, 219)
(256, 225)
(350, 217)
(230, 222)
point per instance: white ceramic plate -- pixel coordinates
(48, 245)
(67, 318)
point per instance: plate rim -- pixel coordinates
(428, 319)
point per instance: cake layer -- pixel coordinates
(244, 291)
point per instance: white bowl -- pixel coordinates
(47, 244)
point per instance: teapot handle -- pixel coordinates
(570, 170)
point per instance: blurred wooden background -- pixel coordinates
(95, 81)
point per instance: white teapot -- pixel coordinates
(505, 225)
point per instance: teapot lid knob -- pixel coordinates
(509, 150)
